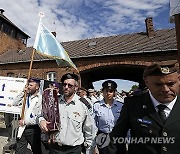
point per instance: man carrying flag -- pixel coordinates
(30, 131)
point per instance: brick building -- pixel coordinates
(120, 56)
(11, 37)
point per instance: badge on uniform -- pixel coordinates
(144, 121)
(76, 113)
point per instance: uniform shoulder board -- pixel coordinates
(120, 102)
(96, 102)
(83, 100)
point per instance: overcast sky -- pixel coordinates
(81, 19)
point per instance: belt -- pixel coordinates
(65, 147)
(31, 126)
(99, 132)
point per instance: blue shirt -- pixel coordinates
(106, 116)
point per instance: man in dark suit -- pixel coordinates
(152, 118)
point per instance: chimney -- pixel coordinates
(1, 11)
(54, 33)
(149, 27)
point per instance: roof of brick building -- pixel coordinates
(164, 40)
(2, 16)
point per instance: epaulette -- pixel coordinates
(83, 100)
(96, 102)
(119, 102)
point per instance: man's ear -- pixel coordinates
(76, 88)
(145, 80)
(179, 78)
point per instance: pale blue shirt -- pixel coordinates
(106, 116)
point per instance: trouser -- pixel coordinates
(31, 135)
(54, 148)
(102, 140)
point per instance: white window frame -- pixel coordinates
(10, 74)
(51, 76)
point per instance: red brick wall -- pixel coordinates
(39, 69)
(6, 43)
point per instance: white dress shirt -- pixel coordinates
(169, 106)
(33, 112)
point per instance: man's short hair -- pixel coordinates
(36, 80)
(82, 88)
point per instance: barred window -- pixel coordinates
(51, 76)
(10, 74)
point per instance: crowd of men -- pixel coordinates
(100, 122)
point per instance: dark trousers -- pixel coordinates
(104, 150)
(56, 149)
(31, 135)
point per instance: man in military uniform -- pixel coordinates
(153, 118)
(76, 125)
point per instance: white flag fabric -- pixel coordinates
(46, 44)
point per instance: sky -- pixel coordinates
(81, 19)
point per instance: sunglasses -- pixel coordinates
(69, 85)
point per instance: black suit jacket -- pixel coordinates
(147, 130)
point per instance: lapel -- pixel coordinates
(174, 114)
(150, 110)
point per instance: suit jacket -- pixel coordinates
(147, 130)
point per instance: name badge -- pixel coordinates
(143, 121)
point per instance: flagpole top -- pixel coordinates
(41, 14)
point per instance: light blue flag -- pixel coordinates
(47, 45)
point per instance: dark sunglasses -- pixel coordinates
(67, 84)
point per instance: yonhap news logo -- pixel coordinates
(102, 140)
(143, 140)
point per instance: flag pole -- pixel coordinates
(41, 14)
(25, 93)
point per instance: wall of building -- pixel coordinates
(7, 43)
(129, 67)
(39, 69)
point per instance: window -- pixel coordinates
(51, 76)
(10, 74)
(7, 29)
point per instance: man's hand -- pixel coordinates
(43, 125)
(26, 90)
(21, 122)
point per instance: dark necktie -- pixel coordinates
(161, 112)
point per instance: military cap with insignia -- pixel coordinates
(91, 90)
(160, 69)
(69, 76)
(109, 84)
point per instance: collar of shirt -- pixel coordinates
(156, 103)
(74, 99)
(102, 103)
(33, 96)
